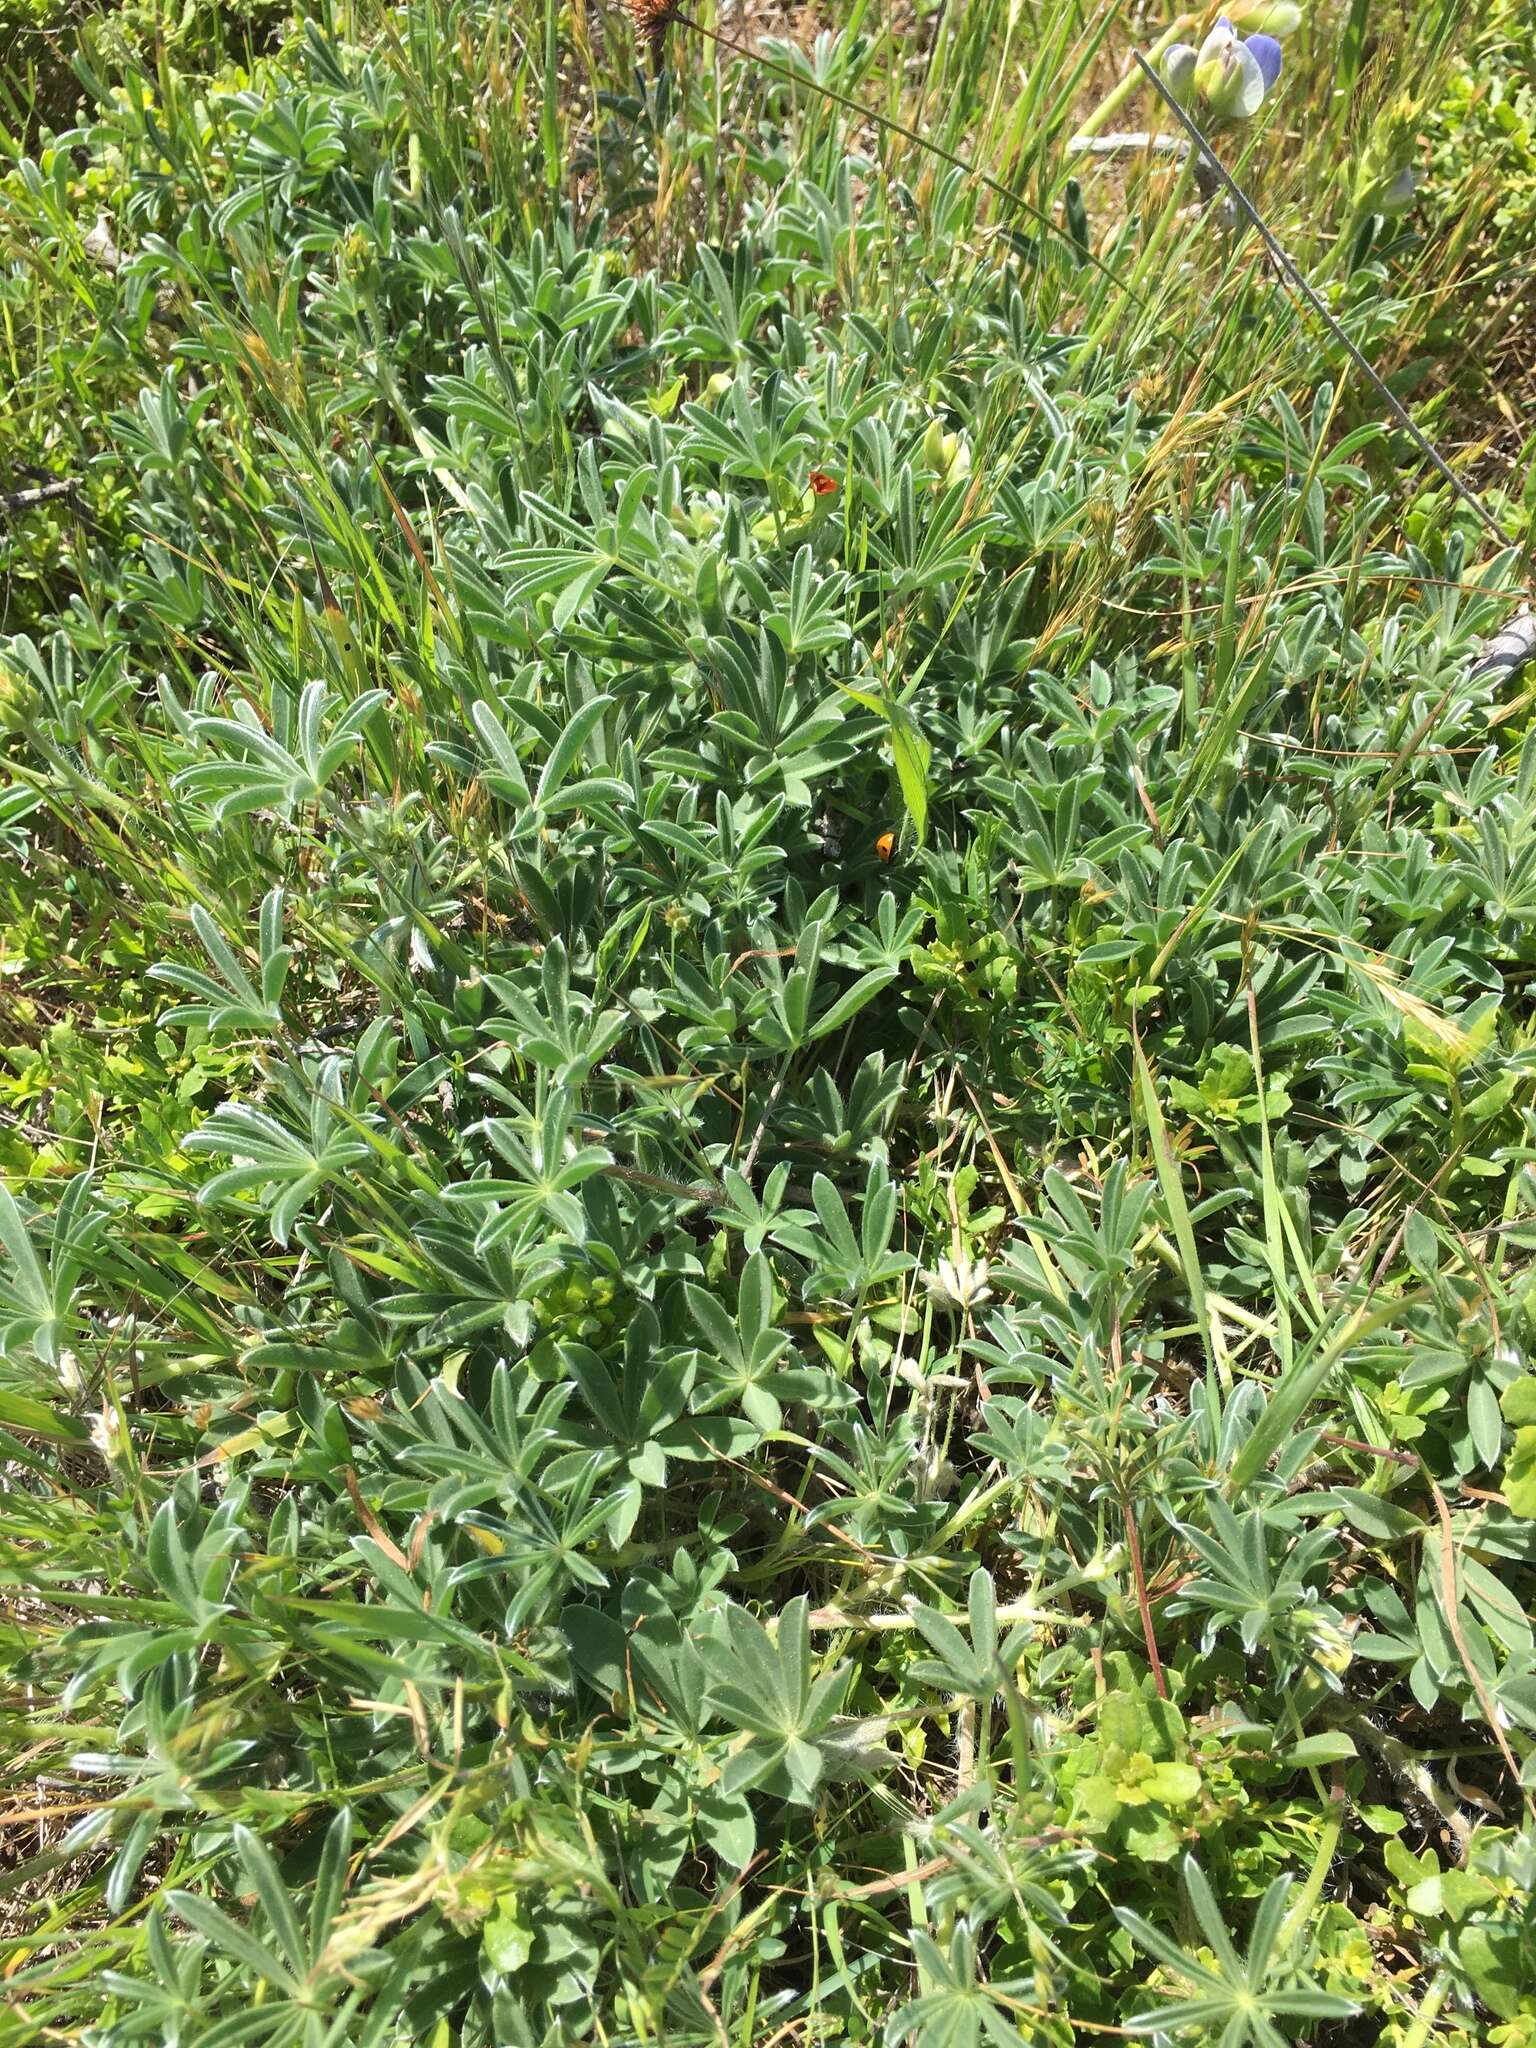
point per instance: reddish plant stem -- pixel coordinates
(1133, 1544)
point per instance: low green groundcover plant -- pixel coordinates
(768, 1080)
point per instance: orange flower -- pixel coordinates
(822, 484)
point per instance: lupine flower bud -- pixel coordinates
(108, 1434)
(1398, 196)
(960, 1282)
(1179, 70)
(1266, 17)
(945, 455)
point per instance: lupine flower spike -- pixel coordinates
(1233, 75)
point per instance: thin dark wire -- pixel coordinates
(948, 156)
(1291, 277)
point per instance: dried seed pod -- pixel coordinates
(652, 20)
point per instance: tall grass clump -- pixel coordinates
(767, 1074)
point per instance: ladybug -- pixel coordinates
(885, 846)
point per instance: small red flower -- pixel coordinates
(822, 484)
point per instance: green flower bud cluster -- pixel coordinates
(580, 1308)
(984, 970)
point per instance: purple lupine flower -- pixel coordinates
(1267, 54)
(1231, 74)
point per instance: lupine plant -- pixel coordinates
(767, 1093)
